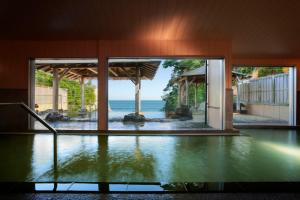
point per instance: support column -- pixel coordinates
(238, 103)
(179, 95)
(195, 96)
(31, 96)
(82, 94)
(102, 91)
(55, 88)
(137, 91)
(228, 115)
(186, 92)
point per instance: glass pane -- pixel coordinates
(157, 94)
(66, 93)
(261, 95)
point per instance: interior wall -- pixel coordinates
(14, 69)
(15, 55)
(9, 114)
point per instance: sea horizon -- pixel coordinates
(134, 100)
(151, 108)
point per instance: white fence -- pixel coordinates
(271, 90)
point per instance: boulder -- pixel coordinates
(132, 117)
(56, 116)
(82, 113)
(184, 112)
(171, 114)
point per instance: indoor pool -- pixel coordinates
(255, 156)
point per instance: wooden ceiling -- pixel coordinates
(268, 27)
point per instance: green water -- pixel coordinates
(264, 155)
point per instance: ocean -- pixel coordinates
(150, 108)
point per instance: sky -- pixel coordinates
(150, 89)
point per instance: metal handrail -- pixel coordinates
(33, 114)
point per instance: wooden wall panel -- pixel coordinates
(256, 27)
(13, 117)
(14, 57)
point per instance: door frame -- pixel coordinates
(293, 96)
(31, 91)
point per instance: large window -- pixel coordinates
(66, 93)
(162, 94)
(263, 95)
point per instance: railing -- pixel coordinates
(33, 114)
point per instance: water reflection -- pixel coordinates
(133, 162)
(16, 157)
(66, 158)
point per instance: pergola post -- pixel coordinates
(186, 92)
(195, 96)
(238, 103)
(137, 91)
(55, 89)
(82, 94)
(179, 94)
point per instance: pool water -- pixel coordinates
(256, 156)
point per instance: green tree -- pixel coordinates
(72, 86)
(266, 71)
(262, 71)
(90, 96)
(43, 79)
(171, 89)
(247, 70)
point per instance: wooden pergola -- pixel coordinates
(70, 69)
(134, 70)
(195, 77)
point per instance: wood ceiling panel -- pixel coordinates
(253, 26)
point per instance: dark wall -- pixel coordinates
(13, 117)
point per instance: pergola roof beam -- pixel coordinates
(63, 73)
(113, 72)
(127, 74)
(92, 70)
